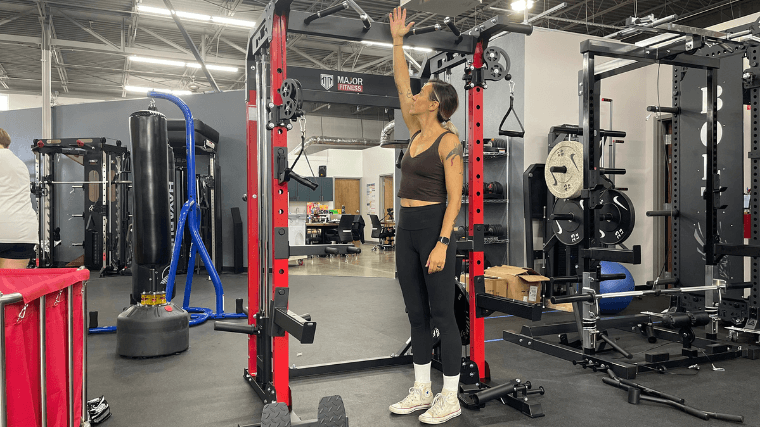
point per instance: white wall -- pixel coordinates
(376, 161)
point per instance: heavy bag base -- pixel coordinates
(149, 331)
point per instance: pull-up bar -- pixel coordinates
(366, 20)
(423, 30)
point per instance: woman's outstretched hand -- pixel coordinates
(398, 27)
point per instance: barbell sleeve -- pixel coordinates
(322, 13)
(560, 169)
(656, 109)
(612, 171)
(612, 133)
(562, 217)
(572, 298)
(664, 282)
(673, 213)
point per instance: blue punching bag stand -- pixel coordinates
(190, 216)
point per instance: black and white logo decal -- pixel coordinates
(327, 81)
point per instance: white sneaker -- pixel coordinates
(445, 407)
(420, 397)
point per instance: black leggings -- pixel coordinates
(427, 295)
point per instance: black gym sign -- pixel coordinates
(348, 88)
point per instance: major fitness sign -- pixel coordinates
(345, 83)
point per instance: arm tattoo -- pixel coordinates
(457, 151)
(408, 93)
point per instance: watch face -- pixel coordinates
(444, 240)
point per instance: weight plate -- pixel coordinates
(616, 217)
(566, 181)
(462, 312)
(569, 232)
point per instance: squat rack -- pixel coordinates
(684, 54)
(273, 101)
(106, 186)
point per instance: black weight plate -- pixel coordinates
(462, 312)
(567, 231)
(619, 228)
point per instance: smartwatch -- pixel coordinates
(444, 240)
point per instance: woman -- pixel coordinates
(431, 170)
(18, 220)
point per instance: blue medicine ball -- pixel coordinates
(615, 305)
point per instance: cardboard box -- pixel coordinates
(523, 284)
(494, 285)
(568, 307)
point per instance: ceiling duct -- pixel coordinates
(316, 144)
(385, 134)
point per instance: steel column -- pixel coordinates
(252, 214)
(475, 209)
(279, 204)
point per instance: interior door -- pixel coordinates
(388, 196)
(347, 193)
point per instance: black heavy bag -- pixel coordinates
(151, 218)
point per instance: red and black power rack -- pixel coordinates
(273, 103)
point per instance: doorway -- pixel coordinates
(347, 193)
(388, 196)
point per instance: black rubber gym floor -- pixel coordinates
(364, 317)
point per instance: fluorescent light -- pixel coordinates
(157, 61)
(193, 16)
(221, 20)
(155, 10)
(234, 22)
(145, 90)
(182, 64)
(389, 45)
(213, 67)
(520, 5)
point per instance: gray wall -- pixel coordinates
(225, 112)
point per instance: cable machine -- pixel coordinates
(273, 103)
(107, 244)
